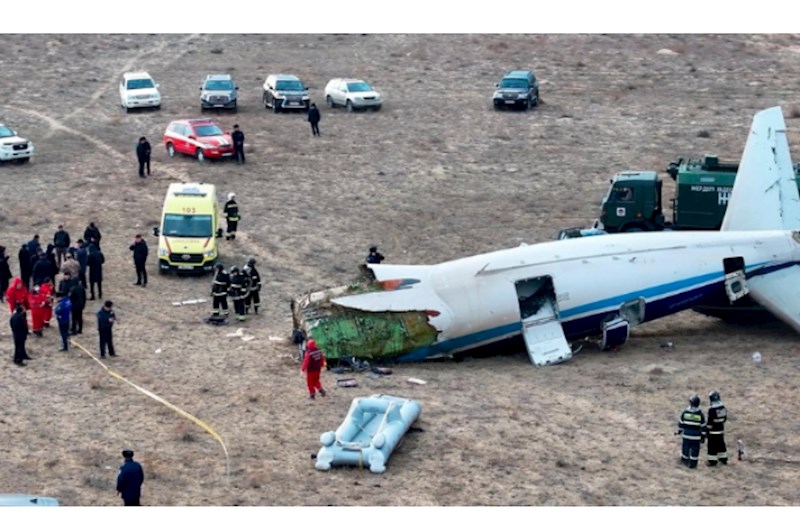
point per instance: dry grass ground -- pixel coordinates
(435, 175)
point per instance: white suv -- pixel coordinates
(353, 94)
(137, 90)
(13, 147)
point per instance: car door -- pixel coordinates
(341, 93)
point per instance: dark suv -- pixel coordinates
(218, 91)
(517, 89)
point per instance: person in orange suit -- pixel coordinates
(38, 302)
(47, 290)
(17, 293)
(313, 362)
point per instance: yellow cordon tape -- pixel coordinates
(207, 428)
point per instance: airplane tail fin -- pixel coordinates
(765, 195)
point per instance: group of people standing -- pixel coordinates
(694, 429)
(243, 286)
(52, 281)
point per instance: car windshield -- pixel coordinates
(6, 132)
(220, 85)
(358, 86)
(289, 85)
(207, 130)
(140, 84)
(183, 225)
(514, 83)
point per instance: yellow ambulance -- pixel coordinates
(190, 226)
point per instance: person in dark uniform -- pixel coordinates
(42, 269)
(82, 257)
(92, 234)
(314, 117)
(219, 291)
(139, 248)
(19, 328)
(129, 480)
(25, 267)
(34, 244)
(105, 325)
(77, 295)
(692, 424)
(254, 286)
(5, 272)
(63, 312)
(237, 293)
(143, 155)
(61, 241)
(374, 256)
(50, 254)
(96, 261)
(238, 143)
(717, 415)
(232, 216)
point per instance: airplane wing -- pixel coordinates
(764, 195)
(779, 293)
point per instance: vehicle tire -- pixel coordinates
(526, 105)
(235, 108)
(377, 108)
(275, 106)
(264, 101)
(24, 160)
(329, 101)
(535, 101)
(635, 227)
(127, 109)
(349, 106)
(200, 155)
(170, 149)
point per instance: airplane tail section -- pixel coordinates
(765, 195)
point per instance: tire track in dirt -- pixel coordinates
(94, 97)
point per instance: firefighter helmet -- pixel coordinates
(234, 269)
(713, 396)
(219, 266)
(251, 262)
(694, 401)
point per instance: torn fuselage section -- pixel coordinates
(377, 335)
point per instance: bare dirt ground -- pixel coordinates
(437, 174)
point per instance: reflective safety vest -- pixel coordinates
(693, 423)
(717, 415)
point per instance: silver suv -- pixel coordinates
(13, 147)
(218, 91)
(284, 92)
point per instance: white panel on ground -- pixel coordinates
(545, 338)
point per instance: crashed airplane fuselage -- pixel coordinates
(556, 291)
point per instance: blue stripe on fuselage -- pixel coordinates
(590, 324)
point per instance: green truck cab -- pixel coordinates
(702, 190)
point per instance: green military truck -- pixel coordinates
(702, 189)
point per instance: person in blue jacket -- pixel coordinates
(63, 310)
(130, 479)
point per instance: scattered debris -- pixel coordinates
(742, 452)
(158, 351)
(667, 345)
(217, 320)
(248, 338)
(189, 302)
(665, 51)
(346, 382)
(238, 334)
(417, 381)
(381, 371)
(756, 357)
(276, 339)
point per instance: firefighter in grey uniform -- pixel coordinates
(254, 296)
(237, 292)
(717, 415)
(692, 424)
(219, 290)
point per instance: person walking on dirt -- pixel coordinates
(25, 267)
(5, 272)
(77, 295)
(17, 294)
(61, 242)
(238, 292)
(105, 325)
(96, 261)
(717, 415)
(63, 312)
(47, 290)
(313, 362)
(139, 248)
(19, 328)
(314, 117)
(219, 291)
(130, 479)
(37, 301)
(692, 424)
(238, 144)
(143, 155)
(232, 216)
(82, 257)
(42, 269)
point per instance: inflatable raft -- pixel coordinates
(371, 430)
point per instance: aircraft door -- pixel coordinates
(735, 280)
(541, 329)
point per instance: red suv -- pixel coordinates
(200, 138)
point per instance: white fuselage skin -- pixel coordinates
(592, 276)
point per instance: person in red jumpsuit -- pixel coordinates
(17, 293)
(38, 302)
(313, 362)
(47, 290)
